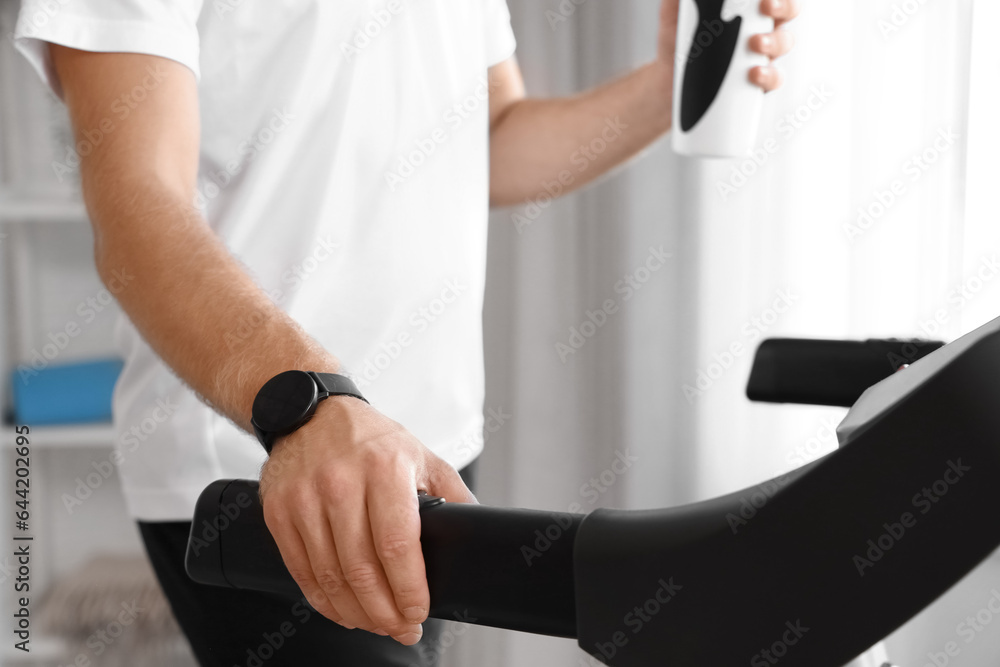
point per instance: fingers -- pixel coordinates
(362, 567)
(448, 484)
(768, 78)
(296, 559)
(780, 10)
(395, 526)
(774, 44)
(326, 574)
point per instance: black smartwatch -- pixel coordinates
(289, 400)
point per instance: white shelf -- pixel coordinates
(61, 437)
(42, 210)
(48, 649)
(43, 648)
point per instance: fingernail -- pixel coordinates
(380, 631)
(410, 638)
(415, 615)
(766, 42)
(777, 5)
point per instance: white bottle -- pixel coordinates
(716, 108)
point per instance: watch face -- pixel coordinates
(285, 402)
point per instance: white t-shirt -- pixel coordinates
(344, 160)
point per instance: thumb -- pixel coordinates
(446, 483)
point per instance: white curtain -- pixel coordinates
(875, 115)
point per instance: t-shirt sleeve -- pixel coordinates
(500, 42)
(166, 28)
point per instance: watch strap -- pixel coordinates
(332, 384)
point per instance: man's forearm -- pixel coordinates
(575, 140)
(194, 303)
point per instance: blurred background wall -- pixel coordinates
(870, 87)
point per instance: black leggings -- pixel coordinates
(238, 628)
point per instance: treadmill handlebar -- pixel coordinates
(476, 567)
(828, 372)
(835, 555)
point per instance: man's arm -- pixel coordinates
(339, 493)
(572, 141)
(187, 294)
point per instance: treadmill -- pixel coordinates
(839, 554)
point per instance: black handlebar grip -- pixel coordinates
(507, 568)
(828, 372)
(845, 549)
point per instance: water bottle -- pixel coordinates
(716, 108)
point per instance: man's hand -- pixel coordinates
(341, 492)
(774, 44)
(340, 499)
(542, 147)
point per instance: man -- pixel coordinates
(303, 185)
